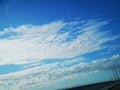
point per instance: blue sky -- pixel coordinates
(66, 42)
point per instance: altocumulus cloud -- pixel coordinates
(43, 76)
(30, 43)
(63, 42)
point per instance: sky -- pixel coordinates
(55, 44)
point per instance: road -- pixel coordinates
(113, 85)
(110, 86)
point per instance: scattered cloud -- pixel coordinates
(32, 43)
(64, 43)
(45, 75)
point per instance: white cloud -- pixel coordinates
(48, 74)
(32, 43)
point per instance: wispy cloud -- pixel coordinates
(45, 75)
(6, 10)
(32, 43)
(63, 42)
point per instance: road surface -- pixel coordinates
(111, 85)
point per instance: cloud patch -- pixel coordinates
(45, 75)
(32, 43)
